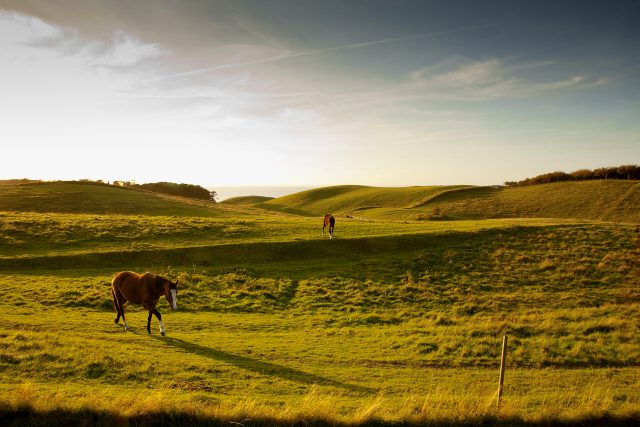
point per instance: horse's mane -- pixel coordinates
(159, 281)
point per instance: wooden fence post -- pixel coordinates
(503, 361)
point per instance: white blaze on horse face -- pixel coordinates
(174, 299)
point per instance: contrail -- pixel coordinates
(322, 50)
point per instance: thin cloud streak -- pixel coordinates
(289, 55)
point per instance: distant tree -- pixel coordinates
(547, 178)
(582, 175)
(619, 172)
(212, 195)
(601, 173)
(629, 171)
(182, 190)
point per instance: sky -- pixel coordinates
(309, 93)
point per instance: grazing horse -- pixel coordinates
(329, 221)
(145, 290)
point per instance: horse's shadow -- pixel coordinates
(261, 367)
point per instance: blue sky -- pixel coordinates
(310, 93)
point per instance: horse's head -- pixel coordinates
(171, 293)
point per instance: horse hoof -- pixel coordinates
(163, 333)
(115, 321)
(148, 332)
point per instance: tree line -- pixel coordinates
(614, 172)
(171, 188)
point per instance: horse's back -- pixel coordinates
(123, 277)
(131, 285)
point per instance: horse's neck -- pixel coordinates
(158, 286)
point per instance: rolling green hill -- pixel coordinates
(607, 200)
(246, 200)
(93, 198)
(389, 323)
(344, 199)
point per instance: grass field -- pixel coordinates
(246, 200)
(392, 321)
(596, 200)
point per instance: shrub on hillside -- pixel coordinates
(173, 189)
(183, 190)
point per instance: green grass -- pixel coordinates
(348, 199)
(389, 322)
(26, 235)
(388, 334)
(92, 198)
(595, 200)
(274, 365)
(247, 200)
(609, 200)
(472, 285)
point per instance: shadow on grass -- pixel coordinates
(261, 367)
(26, 416)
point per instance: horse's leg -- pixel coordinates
(159, 316)
(115, 305)
(151, 306)
(149, 323)
(126, 327)
(121, 300)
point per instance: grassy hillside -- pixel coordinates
(91, 198)
(370, 330)
(38, 236)
(345, 199)
(247, 200)
(389, 323)
(607, 200)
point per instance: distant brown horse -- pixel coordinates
(145, 290)
(329, 221)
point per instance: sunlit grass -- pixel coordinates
(391, 321)
(282, 367)
(610, 200)
(27, 233)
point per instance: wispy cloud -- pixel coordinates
(126, 50)
(290, 55)
(456, 79)
(249, 28)
(464, 79)
(49, 69)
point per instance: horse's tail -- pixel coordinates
(114, 289)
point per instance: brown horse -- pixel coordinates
(145, 290)
(329, 221)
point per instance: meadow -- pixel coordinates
(394, 321)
